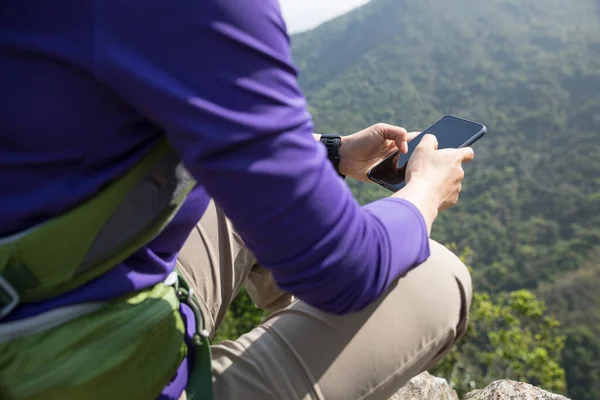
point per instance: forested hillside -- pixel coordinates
(530, 71)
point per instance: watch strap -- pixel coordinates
(332, 144)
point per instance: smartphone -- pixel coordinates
(450, 131)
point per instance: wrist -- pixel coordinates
(344, 158)
(419, 193)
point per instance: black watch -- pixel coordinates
(333, 144)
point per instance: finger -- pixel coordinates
(412, 135)
(455, 199)
(391, 132)
(429, 141)
(466, 154)
(397, 134)
(460, 174)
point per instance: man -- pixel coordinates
(95, 96)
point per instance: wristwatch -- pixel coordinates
(333, 144)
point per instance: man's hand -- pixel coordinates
(434, 178)
(362, 150)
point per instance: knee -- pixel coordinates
(462, 278)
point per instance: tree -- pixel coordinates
(509, 337)
(582, 355)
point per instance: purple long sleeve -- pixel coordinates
(90, 87)
(218, 76)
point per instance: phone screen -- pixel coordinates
(451, 132)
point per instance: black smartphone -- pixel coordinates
(450, 131)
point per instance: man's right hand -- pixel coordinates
(434, 177)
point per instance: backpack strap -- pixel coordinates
(199, 384)
(87, 241)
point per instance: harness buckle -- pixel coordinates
(9, 298)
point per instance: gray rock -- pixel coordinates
(426, 387)
(511, 390)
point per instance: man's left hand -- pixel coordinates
(362, 150)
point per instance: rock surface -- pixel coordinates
(511, 390)
(426, 387)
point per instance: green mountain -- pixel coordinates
(530, 71)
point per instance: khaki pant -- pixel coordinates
(303, 353)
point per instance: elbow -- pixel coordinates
(345, 279)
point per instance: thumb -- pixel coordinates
(395, 133)
(391, 132)
(429, 141)
(466, 154)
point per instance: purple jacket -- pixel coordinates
(88, 87)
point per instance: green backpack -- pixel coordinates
(129, 347)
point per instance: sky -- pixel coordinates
(301, 15)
